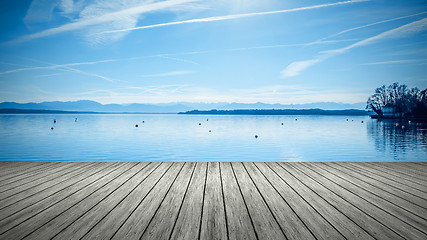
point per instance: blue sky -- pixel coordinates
(149, 51)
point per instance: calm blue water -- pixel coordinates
(114, 137)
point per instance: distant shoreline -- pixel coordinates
(348, 112)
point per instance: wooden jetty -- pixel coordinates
(188, 200)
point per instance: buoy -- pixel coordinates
(210, 131)
(75, 120)
(362, 122)
(409, 121)
(143, 121)
(51, 128)
(200, 123)
(397, 124)
(136, 125)
(256, 136)
(296, 119)
(207, 119)
(282, 123)
(347, 119)
(54, 120)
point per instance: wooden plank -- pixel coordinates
(41, 177)
(391, 181)
(214, 201)
(26, 179)
(417, 205)
(32, 224)
(416, 168)
(239, 222)
(30, 207)
(214, 222)
(69, 216)
(84, 223)
(18, 168)
(25, 173)
(400, 173)
(109, 225)
(289, 221)
(341, 223)
(285, 184)
(367, 223)
(12, 197)
(408, 169)
(162, 223)
(265, 223)
(22, 203)
(351, 194)
(395, 206)
(140, 218)
(188, 223)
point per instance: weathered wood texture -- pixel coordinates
(188, 200)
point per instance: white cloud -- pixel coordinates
(55, 66)
(396, 61)
(103, 21)
(295, 68)
(372, 24)
(406, 30)
(67, 68)
(169, 74)
(104, 15)
(232, 16)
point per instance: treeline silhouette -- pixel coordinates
(399, 102)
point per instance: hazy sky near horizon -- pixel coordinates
(150, 51)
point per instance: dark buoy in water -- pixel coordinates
(51, 128)
(143, 121)
(256, 136)
(207, 119)
(210, 131)
(296, 119)
(54, 120)
(362, 122)
(347, 119)
(200, 124)
(282, 123)
(136, 125)
(75, 120)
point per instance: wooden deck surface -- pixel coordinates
(213, 200)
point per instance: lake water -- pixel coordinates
(169, 137)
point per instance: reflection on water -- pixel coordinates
(114, 137)
(398, 137)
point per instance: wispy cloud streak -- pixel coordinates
(167, 56)
(109, 17)
(67, 68)
(371, 24)
(169, 74)
(54, 66)
(234, 16)
(396, 62)
(295, 45)
(296, 68)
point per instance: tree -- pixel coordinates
(378, 101)
(404, 101)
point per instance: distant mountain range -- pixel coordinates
(92, 106)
